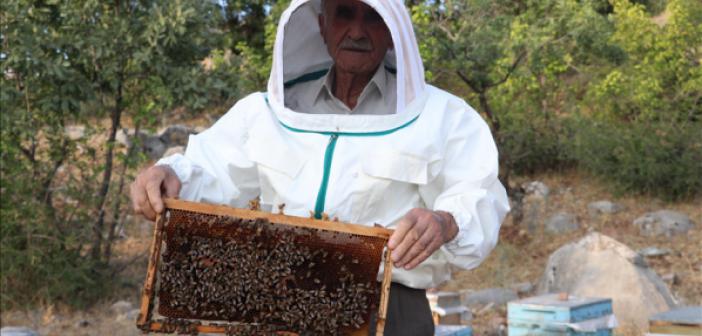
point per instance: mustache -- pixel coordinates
(360, 45)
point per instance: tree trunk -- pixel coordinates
(116, 213)
(107, 175)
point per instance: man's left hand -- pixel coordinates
(419, 233)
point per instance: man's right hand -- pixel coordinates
(150, 186)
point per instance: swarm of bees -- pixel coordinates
(229, 269)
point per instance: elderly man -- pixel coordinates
(349, 127)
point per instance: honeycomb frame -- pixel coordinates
(193, 325)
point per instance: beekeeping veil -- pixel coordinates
(299, 52)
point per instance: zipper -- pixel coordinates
(322, 194)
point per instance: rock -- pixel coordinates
(176, 135)
(131, 315)
(537, 188)
(523, 288)
(121, 307)
(82, 323)
(562, 222)
(670, 279)
(497, 326)
(153, 146)
(599, 266)
(653, 252)
(534, 205)
(17, 331)
(75, 132)
(174, 150)
(663, 222)
(123, 136)
(603, 207)
(496, 296)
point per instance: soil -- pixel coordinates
(519, 257)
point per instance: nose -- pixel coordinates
(356, 30)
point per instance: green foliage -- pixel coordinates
(93, 65)
(532, 67)
(662, 78)
(660, 159)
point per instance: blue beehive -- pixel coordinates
(555, 314)
(453, 330)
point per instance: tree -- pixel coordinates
(80, 63)
(511, 57)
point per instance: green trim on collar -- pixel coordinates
(306, 78)
(360, 134)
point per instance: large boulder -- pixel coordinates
(599, 266)
(663, 222)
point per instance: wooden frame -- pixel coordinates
(144, 321)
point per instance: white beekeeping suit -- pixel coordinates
(434, 151)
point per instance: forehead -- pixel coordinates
(355, 4)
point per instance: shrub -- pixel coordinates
(661, 159)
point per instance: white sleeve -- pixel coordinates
(215, 168)
(467, 187)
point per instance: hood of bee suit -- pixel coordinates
(299, 51)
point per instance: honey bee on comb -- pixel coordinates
(264, 276)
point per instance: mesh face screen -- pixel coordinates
(254, 271)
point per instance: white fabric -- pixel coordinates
(445, 159)
(316, 97)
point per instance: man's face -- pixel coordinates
(355, 34)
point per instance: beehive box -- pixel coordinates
(217, 269)
(679, 321)
(447, 309)
(453, 330)
(556, 314)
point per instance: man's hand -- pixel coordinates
(149, 187)
(419, 234)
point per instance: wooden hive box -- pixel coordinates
(217, 269)
(556, 314)
(678, 321)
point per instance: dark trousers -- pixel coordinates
(408, 313)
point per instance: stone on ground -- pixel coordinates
(603, 207)
(534, 205)
(653, 252)
(599, 266)
(537, 188)
(562, 222)
(663, 222)
(121, 307)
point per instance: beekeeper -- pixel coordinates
(349, 128)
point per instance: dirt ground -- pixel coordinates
(519, 257)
